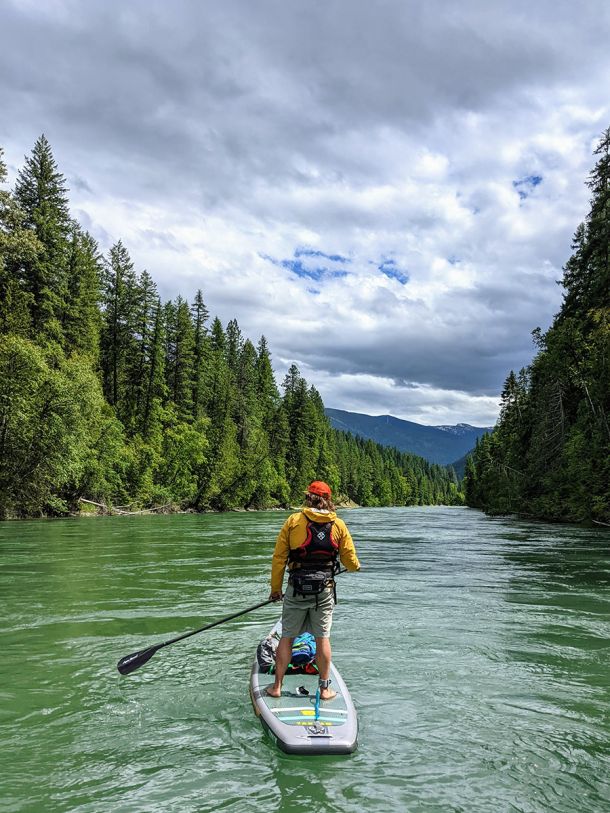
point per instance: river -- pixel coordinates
(477, 651)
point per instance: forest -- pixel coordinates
(549, 454)
(110, 396)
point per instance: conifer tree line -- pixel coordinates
(549, 454)
(111, 395)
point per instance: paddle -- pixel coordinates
(132, 662)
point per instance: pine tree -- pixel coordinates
(137, 376)
(155, 388)
(598, 288)
(18, 248)
(179, 362)
(119, 324)
(246, 412)
(81, 318)
(42, 194)
(234, 345)
(266, 388)
(201, 353)
(303, 451)
(222, 462)
(272, 486)
(245, 423)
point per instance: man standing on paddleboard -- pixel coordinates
(311, 543)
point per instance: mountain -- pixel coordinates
(459, 466)
(438, 444)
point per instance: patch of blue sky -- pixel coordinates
(525, 185)
(310, 252)
(315, 272)
(391, 270)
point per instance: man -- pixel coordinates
(311, 543)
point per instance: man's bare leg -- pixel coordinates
(283, 654)
(323, 657)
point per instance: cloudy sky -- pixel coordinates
(387, 189)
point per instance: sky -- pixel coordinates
(387, 190)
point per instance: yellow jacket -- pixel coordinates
(294, 533)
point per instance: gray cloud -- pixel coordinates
(210, 136)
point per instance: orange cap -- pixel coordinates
(319, 488)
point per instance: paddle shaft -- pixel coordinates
(214, 624)
(132, 662)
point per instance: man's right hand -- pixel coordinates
(276, 596)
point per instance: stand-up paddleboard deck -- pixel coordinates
(291, 718)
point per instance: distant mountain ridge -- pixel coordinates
(438, 444)
(460, 429)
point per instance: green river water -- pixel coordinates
(477, 652)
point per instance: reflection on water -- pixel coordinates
(476, 651)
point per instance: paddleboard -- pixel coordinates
(292, 721)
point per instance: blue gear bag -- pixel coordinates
(303, 649)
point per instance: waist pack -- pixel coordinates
(309, 582)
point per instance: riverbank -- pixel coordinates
(91, 509)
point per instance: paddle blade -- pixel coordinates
(132, 662)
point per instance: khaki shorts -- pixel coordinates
(300, 614)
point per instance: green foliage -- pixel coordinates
(549, 454)
(181, 456)
(53, 429)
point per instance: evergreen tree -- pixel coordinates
(245, 423)
(266, 389)
(221, 466)
(18, 248)
(179, 362)
(138, 373)
(201, 352)
(299, 457)
(81, 318)
(120, 297)
(42, 194)
(234, 345)
(154, 369)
